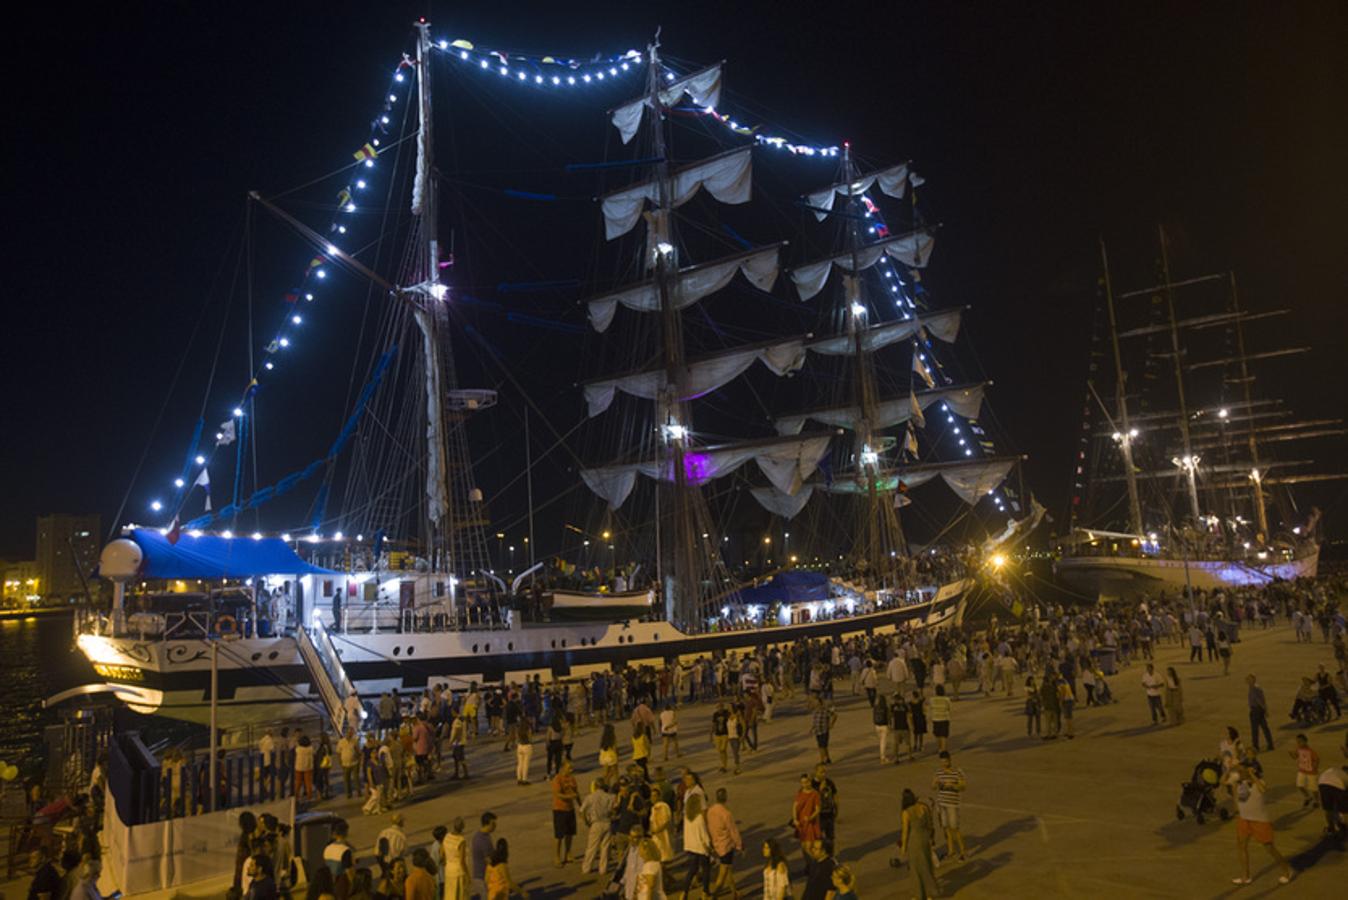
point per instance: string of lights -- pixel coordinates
(541, 71)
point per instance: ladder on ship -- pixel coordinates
(327, 675)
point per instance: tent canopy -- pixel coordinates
(211, 556)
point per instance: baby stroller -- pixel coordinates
(1198, 793)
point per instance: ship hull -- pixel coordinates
(1112, 577)
(266, 680)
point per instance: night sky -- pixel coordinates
(137, 129)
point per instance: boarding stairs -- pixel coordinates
(326, 673)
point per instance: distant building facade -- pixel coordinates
(67, 545)
(21, 582)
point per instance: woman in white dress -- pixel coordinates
(651, 885)
(661, 820)
(454, 849)
(776, 874)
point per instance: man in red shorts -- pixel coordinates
(1253, 821)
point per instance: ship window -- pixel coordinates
(486, 648)
(256, 657)
(439, 589)
(657, 635)
(510, 645)
(554, 645)
(397, 650)
(563, 642)
(272, 655)
(327, 587)
(475, 648)
(411, 650)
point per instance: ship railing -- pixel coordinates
(433, 618)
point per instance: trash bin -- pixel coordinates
(313, 831)
(1104, 659)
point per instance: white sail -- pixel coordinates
(703, 88)
(913, 249)
(787, 463)
(700, 377)
(893, 181)
(964, 401)
(726, 176)
(759, 267)
(788, 506)
(943, 326)
(969, 480)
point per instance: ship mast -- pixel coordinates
(1121, 401)
(881, 527)
(1256, 474)
(1188, 462)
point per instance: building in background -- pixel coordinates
(21, 582)
(67, 551)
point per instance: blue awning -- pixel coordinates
(211, 556)
(788, 587)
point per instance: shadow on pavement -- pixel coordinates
(956, 879)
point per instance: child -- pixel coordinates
(1308, 771)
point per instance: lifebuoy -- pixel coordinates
(226, 626)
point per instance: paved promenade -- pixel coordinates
(1090, 816)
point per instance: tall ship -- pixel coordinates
(737, 393)
(1181, 479)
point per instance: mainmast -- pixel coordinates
(1126, 432)
(1256, 474)
(1188, 462)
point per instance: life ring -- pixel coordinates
(226, 626)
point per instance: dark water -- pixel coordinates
(37, 659)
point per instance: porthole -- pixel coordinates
(486, 648)
(554, 645)
(411, 650)
(656, 636)
(563, 642)
(510, 645)
(272, 655)
(475, 648)
(397, 650)
(257, 656)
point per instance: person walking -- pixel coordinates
(899, 725)
(725, 842)
(1154, 685)
(869, 681)
(880, 719)
(669, 730)
(776, 873)
(822, 720)
(596, 811)
(1308, 771)
(720, 733)
(949, 784)
(1195, 643)
(1174, 697)
(735, 734)
(524, 750)
(1224, 650)
(916, 844)
(1253, 821)
(1258, 713)
(696, 844)
(564, 798)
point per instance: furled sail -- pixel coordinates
(726, 176)
(969, 480)
(963, 400)
(703, 88)
(788, 506)
(690, 285)
(943, 326)
(912, 249)
(699, 377)
(786, 462)
(893, 181)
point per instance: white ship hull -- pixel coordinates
(1110, 577)
(266, 680)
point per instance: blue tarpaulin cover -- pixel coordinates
(211, 556)
(788, 587)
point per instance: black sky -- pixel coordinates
(136, 130)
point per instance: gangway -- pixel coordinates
(326, 672)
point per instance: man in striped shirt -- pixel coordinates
(949, 783)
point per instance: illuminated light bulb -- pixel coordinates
(201, 460)
(337, 536)
(369, 164)
(341, 229)
(332, 250)
(624, 67)
(238, 412)
(463, 54)
(968, 452)
(285, 537)
(438, 291)
(599, 75)
(484, 64)
(669, 76)
(383, 120)
(505, 70)
(219, 435)
(284, 342)
(314, 538)
(178, 482)
(227, 534)
(664, 248)
(268, 365)
(156, 505)
(194, 533)
(360, 537)
(321, 274)
(538, 79)
(556, 80)
(444, 45)
(612, 71)
(309, 297)
(961, 442)
(360, 183)
(350, 207)
(571, 79)
(585, 78)
(523, 76)
(398, 76)
(257, 535)
(858, 310)
(296, 319)
(392, 98)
